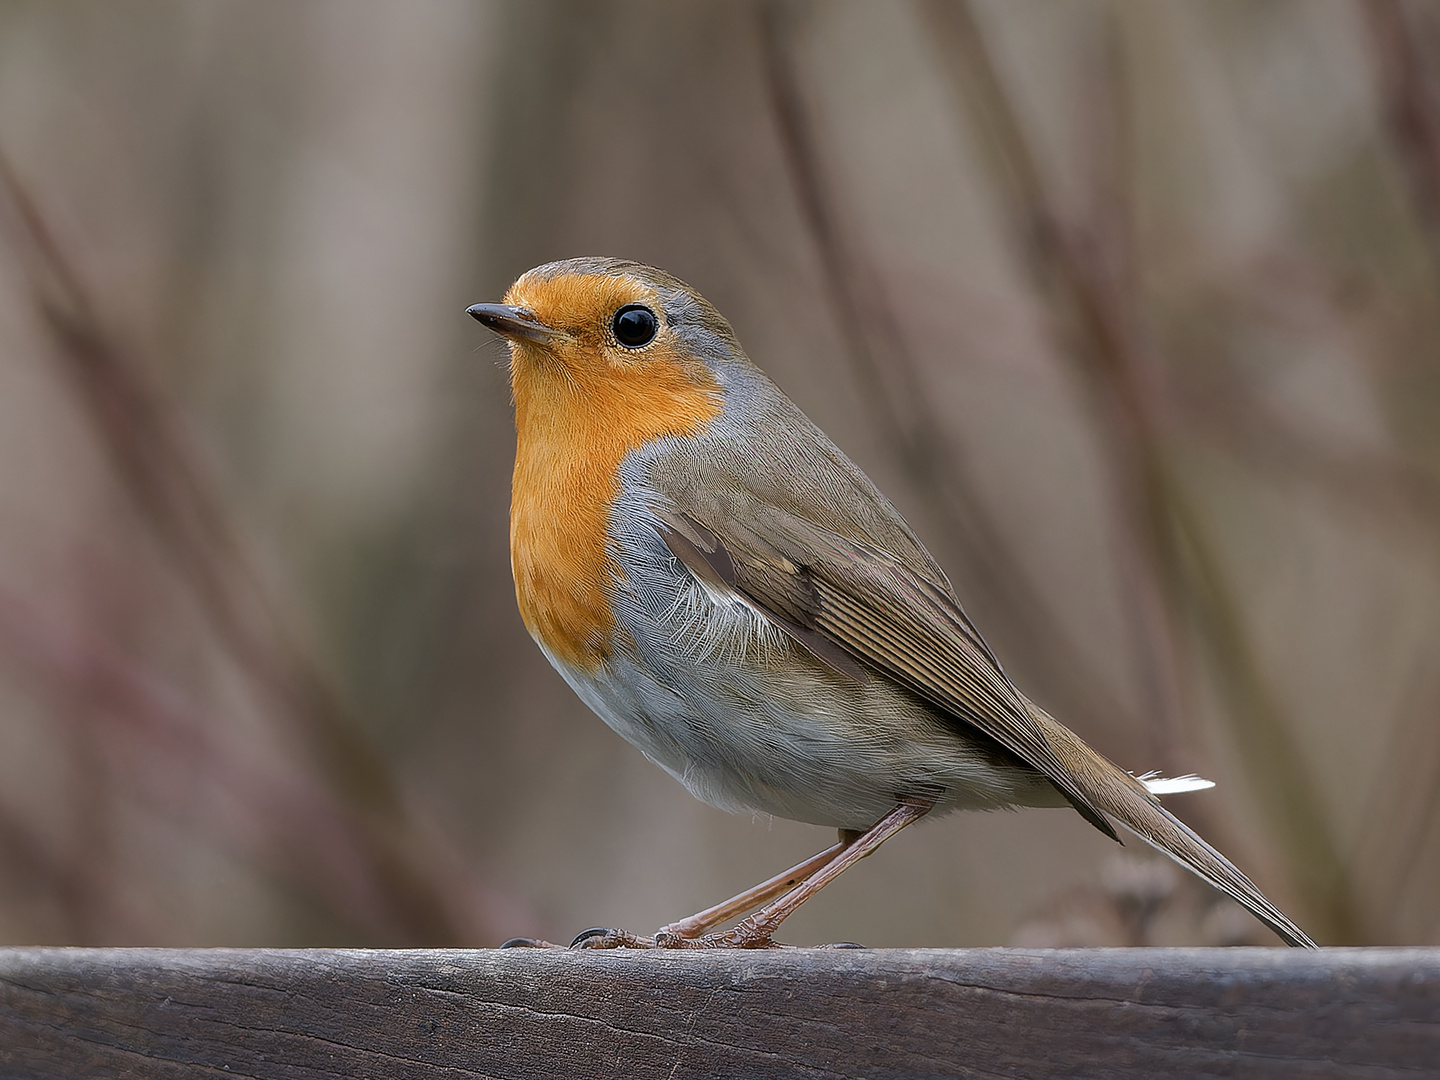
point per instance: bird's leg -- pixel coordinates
(695, 925)
(756, 931)
(753, 897)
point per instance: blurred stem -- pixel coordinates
(1406, 80)
(899, 403)
(1412, 112)
(149, 733)
(1096, 310)
(147, 443)
(1396, 498)
(1261, 734)
(161, 471)
(1098, 335)
(1403, 804)
(1383, 487)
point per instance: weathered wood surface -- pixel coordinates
(1352, 1013)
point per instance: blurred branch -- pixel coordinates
(1085, 284)
(158, 467)
(1381, 486)
(1387, 492)
(156, 739)
(1403, 804)
(899, 403)
(161, 471)
(1286, 288)
(1067, 268)
(1412, 111)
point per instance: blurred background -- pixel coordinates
(1133, 309)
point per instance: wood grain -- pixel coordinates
(301, 1014)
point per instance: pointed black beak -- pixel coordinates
(512, 322)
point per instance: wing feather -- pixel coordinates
(882, 613)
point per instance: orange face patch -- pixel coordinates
(582, 403)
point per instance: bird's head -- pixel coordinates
(592, 327)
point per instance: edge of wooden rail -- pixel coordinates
(305, 1013)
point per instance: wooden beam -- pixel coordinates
(302, 1014)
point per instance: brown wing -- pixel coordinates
(843, 597)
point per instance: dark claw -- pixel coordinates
(594, 931)
(521, 943)
(844, 945)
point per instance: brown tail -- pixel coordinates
(1127, 800)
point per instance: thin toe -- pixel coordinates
(600, 937)
(529, 943)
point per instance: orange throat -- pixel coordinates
(574, 428)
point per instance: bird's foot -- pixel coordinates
(732, 940)
(751, 933)
(742, 936)
(746, 934)
(727, 940)
(599, 937)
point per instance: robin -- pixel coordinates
(734, 597)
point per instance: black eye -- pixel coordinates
(635, 326)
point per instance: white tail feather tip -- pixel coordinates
(1174, 785)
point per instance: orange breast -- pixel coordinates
(574, 429)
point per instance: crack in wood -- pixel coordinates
(309, 1014)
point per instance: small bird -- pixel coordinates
(734, 597)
